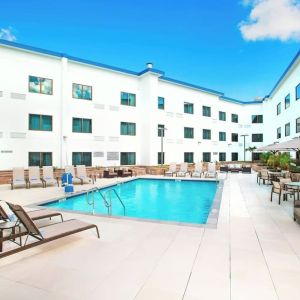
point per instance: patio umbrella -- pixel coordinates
(270, 147)
(293, 144)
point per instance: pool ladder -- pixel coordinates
(107, 199)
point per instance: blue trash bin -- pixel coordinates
(67, 182)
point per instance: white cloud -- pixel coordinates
(272, 19)
(7, 34)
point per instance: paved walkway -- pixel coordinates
(253, 254)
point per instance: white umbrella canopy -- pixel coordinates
(293, 144)
(266, 148)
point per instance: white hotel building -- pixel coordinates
(56, 109)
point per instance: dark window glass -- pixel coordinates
(279, 108)
(234, 137)
(127, 158)
(257, 137)
(298, 91)
(234, 118)
(206, 156)
(40, 159)
(206, 111)
(40, 122)
(188, 133)
(82, 158)
(257, 118)
(234, 156)
(81, 91)
(297, 125)
(287, 101)
(206, 134)
(82, 125)
(128, 99)
(40, 85)
(188, 108)
(222, 116)
(279, 132)
(188, 157)
(161, 158)
(287, 129)
(160, 130)
(128, 128)
(161, 103)
(222, 136)
(222, 156)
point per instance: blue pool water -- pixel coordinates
(164, 200)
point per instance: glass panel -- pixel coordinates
(87, 92)
(188, 157)
(76, 158)
(222, 156)
(86, 125)
(188, 133)
(46, 159)
(87, 158)
(160, 130)
(123, 128)
(222, 136)
(298, 92)
(278, 108)
(234, 137)
(34, 122)
(77, 125)
(206, 157)
(287, 101)
(34, 159)
(161, 103)
(124, 98)
(287, 129)
(46, 86)
(222, 116)
(46, 123)
(77, 91)
(234, 118)
(159, 156)
(34, 84)
(206, 111)
(206, 134)
(279, 132)
(298, 125)
(234, 156)
(131, 100)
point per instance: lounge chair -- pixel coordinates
(18, 178)
(110, 173)
(34, 177)
(234, 168)
(171, 171)
(82, 174)
(224, 168)
(43, 234)
(124, 172)
(246, 169)
(48, 176)
(211, 171)
(198, 171)
(277, 188)
(76, 180)
(183, 170)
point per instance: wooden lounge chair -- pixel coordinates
(44, 234)
(171, 171)
(34, 177)
(76, 180)
(48, 176)
(211, 171)
(183, 170)
(82, 174)
(198, 171)
(18, 178)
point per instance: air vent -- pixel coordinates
(247, 126)
(112, 155)
(170, 114)
(18, 96)
(113, 108)
(179, 141)
(170, 141)
(99, 138)
(18, 135)
(240, 144)
(113, 139)
(178, 115)
(1, 135)
(98, 154)
(1, 94)
(6, 151)
(99, 106)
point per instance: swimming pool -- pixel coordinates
(186, 201)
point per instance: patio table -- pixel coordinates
(8, 226)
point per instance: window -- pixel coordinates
(287, 129)
(234, 137)
(222, 116)
(128, 99)
(257, 119)
(206, 156)
(127, 128)
(222, 136)
(234, 118)
(222, 156)
(188, 108)
(257, 137)
(279, 108)
(40, 85)
(160, 130)
(234, 156)
(188, 133)
(297, 125)
(39, 159)
(81, 91)
(206, 111)
(279, 132)
(40, 122)
(161, 103)
(287, 101)
(206, 135)
(127, 158)
(188, 157)
(297, 92)
(82, 125)
(161, 158)
(82, 158)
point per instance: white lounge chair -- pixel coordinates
(198, 171)
(18, 178)
(70, 169)
(211, 171)
(34, 176)
(81, 174)
(183, 170)
(171, 171)
(48, 176)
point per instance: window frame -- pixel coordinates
(41, 159)
(82, 160)
(127, 153)
(203, 156)
(40, 92)
(160, 132)
(188, 157)
(287, 125)
(278, 132)
(82, 85)
(233, 116)
(208, 109)
(278, 108)
(237, 156)
(127, 128)
(41, 122)
(82, 119)
(158, 104)
(297, 92)
(287, 101)
(207, 131)
(256, 119)
(186, 130)
(298, 125)
(128, 99)
(220, 114)
(222, 133)
(256, 135)
(222, 154)
(186, 106)
(234, 134)
(159, 162)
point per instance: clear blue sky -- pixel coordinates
(194, 41)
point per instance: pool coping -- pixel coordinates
(212, 219)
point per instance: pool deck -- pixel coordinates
(254, 253)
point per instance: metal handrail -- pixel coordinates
(93, 199)
(110, 202)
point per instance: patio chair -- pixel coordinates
(44, 234)
(18, 178)
(34, 177)
(224, 168)
(211, 171)
(264, 176)
(198, 171)
(278, 189)
(183, 170)
(110, 173)
(82, 174)
(124, 172)
(246, 169)
(76, 180)
(297, 210)
(48, 176)
(171, 171)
